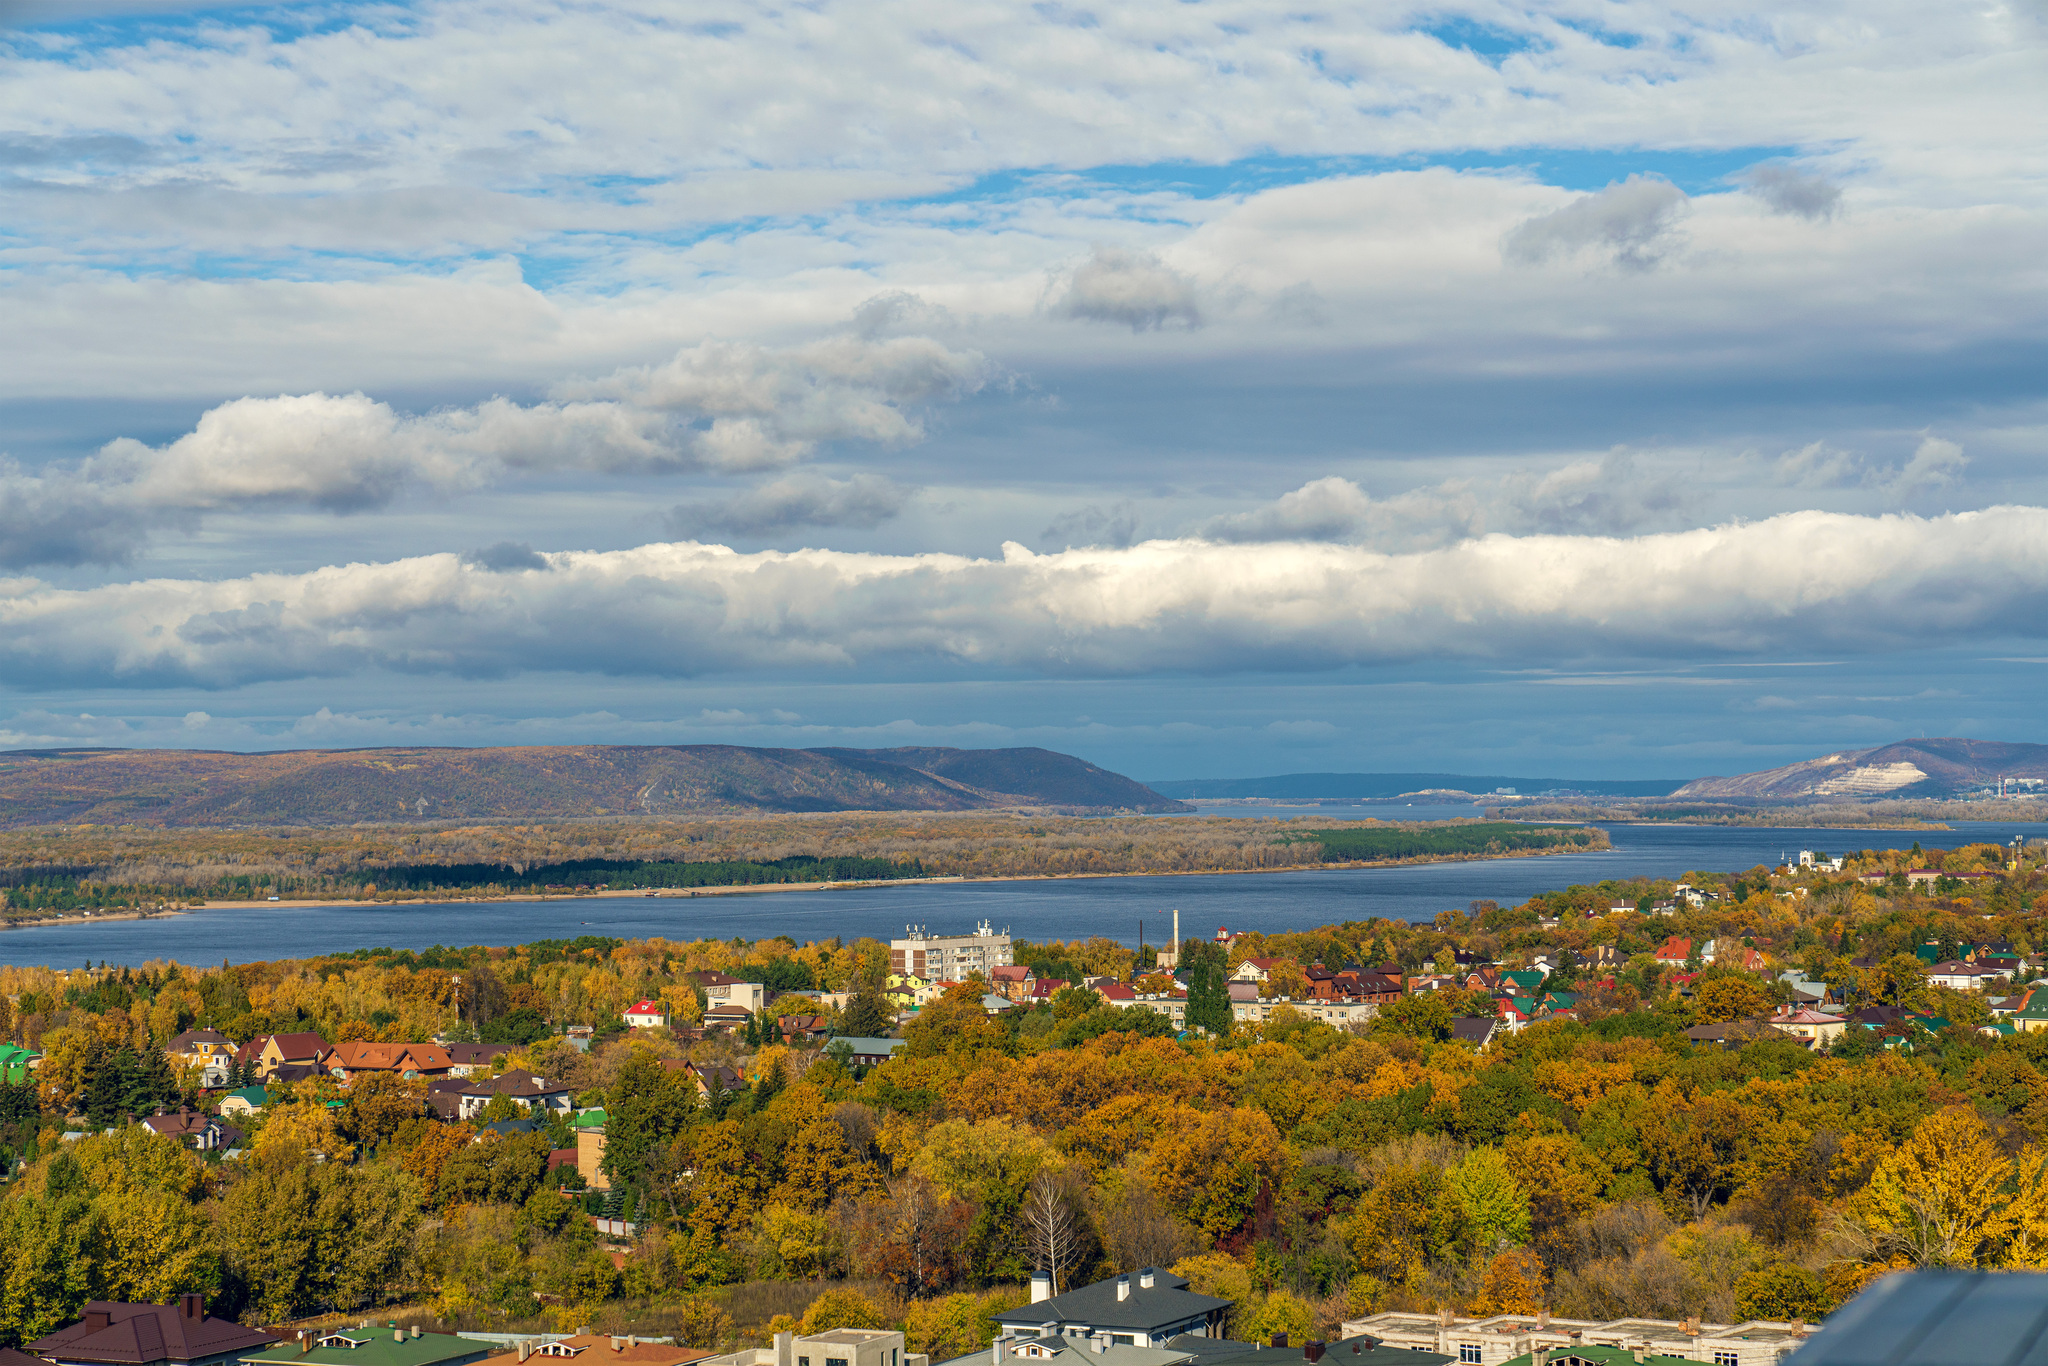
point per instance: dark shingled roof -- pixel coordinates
(137, 1334)
(1167, 1303)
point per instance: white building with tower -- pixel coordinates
(949, 958)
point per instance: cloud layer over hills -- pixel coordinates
(450, 363)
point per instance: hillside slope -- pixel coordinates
(1040, 775)
(1909, 768)
(1380, 786)
(339, 787)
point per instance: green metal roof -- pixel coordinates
(377, 1349)
(588, 1119)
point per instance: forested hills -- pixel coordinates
(564, 782)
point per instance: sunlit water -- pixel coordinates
(1059, 909)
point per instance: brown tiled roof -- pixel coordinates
(137, 1334)
(471, 1054)
(183, 1043)
(360, 1055)
(591, 1349)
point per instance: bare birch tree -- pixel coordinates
(1055, 1237)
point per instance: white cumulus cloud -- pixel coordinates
(1806, 580)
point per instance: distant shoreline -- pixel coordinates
(685, 893)
(93, 918)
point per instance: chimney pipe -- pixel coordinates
(1279, 1339)
(1041, 1287)
(525, 1350)
(1145, 1276)
(785, 1347)
(1123, 1287)
(1312, 1351)
(415, 1330)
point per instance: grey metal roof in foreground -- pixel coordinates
(1166, 1303)
(1937, 1318)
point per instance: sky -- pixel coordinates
(1598, 388)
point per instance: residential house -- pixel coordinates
(374, 1345)
(721, 990)
(1477, 1030)
(1962, 976)
(799, 1028)
(869, 1052)
(250, 1100)
(1066, 1351)
(2031, 1014)
(1516, 1013)
(205, 1049)
(1922, 877)
(467, 1059)
(459, 1098)
(709, 1076)
(723, 1019)
(410, 1060)
(592, 1348)
(266, 1053)
(1116, 993)
(1816, 1029)
(1673, 951)
(1511, 1339)
(906, 990)
(1043, 989)
(1173, 1005)
(112, 1333)
(1374, 988)
(1730, 1033)
(1145, 1310)
(194, 1127)
(1256, 969)
(17, 1063)
(646, 1014)
(1525, 981)
(1012, 980)
(589, 1126)
(1337, 1011)
(1358, 1352)
(833, 1347)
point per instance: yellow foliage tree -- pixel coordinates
(1938, 1200)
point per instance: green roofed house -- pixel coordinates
(376, 1345)
(250, 1100)
(1527, 981)
(2032, 1014)
(17, 1062)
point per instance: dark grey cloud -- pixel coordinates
(67, 521)
(797, 500)
(1132, 288)
(1631, 221)
(1094, 525)
(506, 557)
(1789, 192)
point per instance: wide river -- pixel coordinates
(1056, 909)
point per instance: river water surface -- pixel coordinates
(1067, 908)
